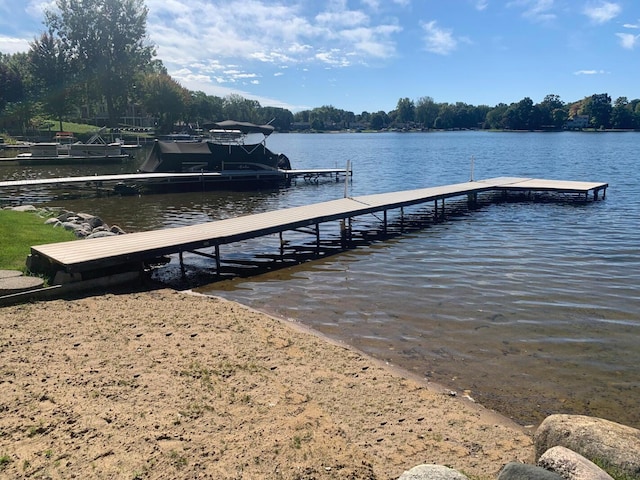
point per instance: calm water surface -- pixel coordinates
(531, 307)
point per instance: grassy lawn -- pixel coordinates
(19, 231)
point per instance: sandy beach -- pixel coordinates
(166, 384)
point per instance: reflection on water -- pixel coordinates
(532, 307)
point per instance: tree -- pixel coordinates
(51, 72)
(405, 111)
(205, 108)
(446, 116)
(426, 111)
(16, 97)
(495, 118)
(622, 115)
(106, 40)
(598, 107)
(238, 108)
(522, 115)
(377, 121)
(11, 87)
(552, 112)
(165, 97)
(280, 118)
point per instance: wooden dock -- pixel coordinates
(166, 179)
(86, 258)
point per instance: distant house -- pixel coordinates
(577, 123)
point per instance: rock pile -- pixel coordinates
(568, 447)
(84, 225)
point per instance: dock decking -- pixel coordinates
(78, 257)
(175, 178)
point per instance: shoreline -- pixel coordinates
(166, 383)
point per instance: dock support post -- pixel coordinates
(596, 192)
(350, 230)
(345, 233)
(401, 219)
(435, 211)
(281, 245)
(317, 238)
(217, 250)
(182, 270)
(384, 226)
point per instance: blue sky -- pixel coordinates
(364, 55)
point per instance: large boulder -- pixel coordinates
(92, 220)
(522, 471)
(432, 472)
(614, 446)
(117, 230)
(571, 465)
(24, 208)
(100, 234)
(65, 215)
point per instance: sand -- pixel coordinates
(165, 384)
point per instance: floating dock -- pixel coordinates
(79, 260)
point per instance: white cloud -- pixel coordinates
(602, 12)
(481, 4)
(372, 4)
(278, 34)
(634, 26)
(535, 10)
(205, 84)
(332, 58)
(10, 45)
(628, 40)
(438, 40)
(589, 72)
(346, 18)
(36, 8)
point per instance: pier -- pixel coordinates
(69, 262)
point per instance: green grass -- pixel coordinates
(19, 231)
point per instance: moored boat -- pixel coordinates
(229, 148)
(63, 150)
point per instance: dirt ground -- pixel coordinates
(164, 384)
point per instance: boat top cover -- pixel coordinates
(243, 127)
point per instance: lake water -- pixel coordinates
(532, 308)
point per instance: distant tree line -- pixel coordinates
(92, 65)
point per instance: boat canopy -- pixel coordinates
(211, 157)
(243, 127)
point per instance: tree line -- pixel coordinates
(93, 62)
